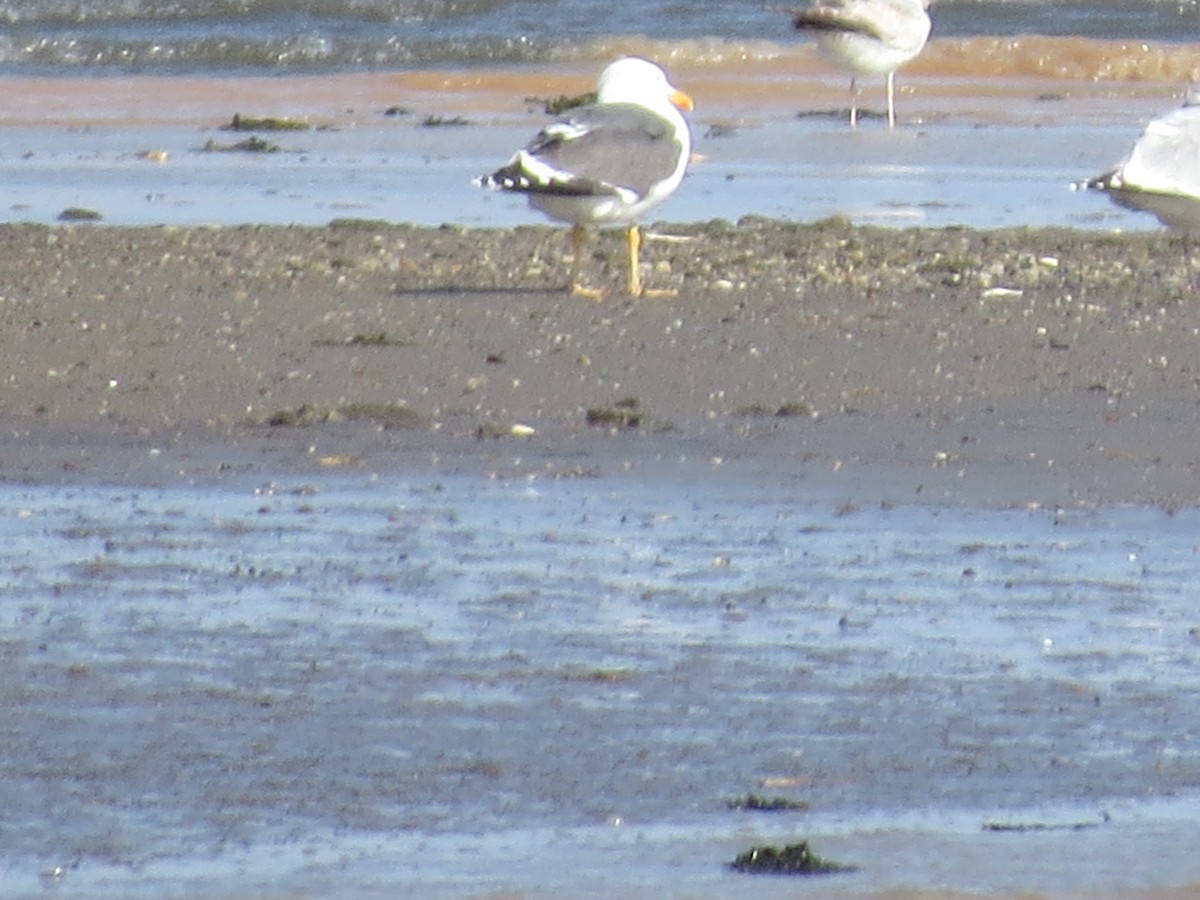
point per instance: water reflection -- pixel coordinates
(201, 681)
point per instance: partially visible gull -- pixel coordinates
(607, 163)
(868, 37)
(1161, 174)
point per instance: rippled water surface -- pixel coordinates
(214, 36)
(432, 686)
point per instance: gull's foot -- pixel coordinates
(579, 290)
(659, 293)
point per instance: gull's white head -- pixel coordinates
(636, 80)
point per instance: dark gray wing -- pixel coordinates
(893, 22)
(833, 15)
(597, 148)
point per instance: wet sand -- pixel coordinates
(1008, 366)
(835, 377)
(748, 79)
(771, 139)
(1017, 367)
(447, 686)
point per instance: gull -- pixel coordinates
(608, 163)
(1161, 174)
(869, 37)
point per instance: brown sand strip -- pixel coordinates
(988, 77)
(1006, 367)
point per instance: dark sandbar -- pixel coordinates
(1016, 367)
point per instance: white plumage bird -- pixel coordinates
(607, 163)
(1161, 174)
(868, 37)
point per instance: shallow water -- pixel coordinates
(439, 685)
(51, 37)
(951, 173)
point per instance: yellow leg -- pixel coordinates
(575, 287)
(891, 99)
(636, 288)
(635, 275)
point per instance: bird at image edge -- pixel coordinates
(1161, 173)
(868, 37)
(608, 163)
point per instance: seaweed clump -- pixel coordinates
(624, 413)
(1022, 827)
(253, 144)
(264, 123)
(79, 214)
(556, 106)
(444, 121)
(758, 803)
(387, 416)
(793, 859)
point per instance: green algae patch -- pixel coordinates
(251, 144)
(1025, 827)
(264, 123)
(444, 122)
(792, 859)
(556, 106)
(786, 410)
(600, 676)
(758, 803)
(626, 413)
(366, 339)
(388, 416)
(79, 214)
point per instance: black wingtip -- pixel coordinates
(825, 20)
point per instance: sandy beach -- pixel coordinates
(396, 565)
(770, 140)
(1006, 367)
(1002, 338)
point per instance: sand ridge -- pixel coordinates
(1045, 366)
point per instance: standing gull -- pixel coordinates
(1161, 174)
(607, 163)
(869, 37)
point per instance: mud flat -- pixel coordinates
(1007, 367)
